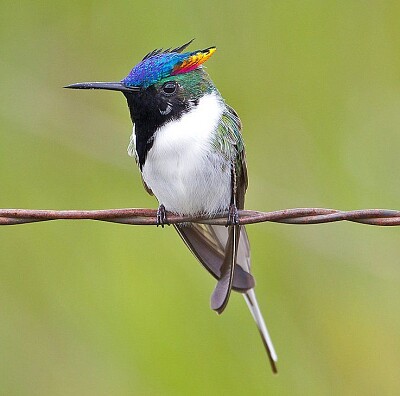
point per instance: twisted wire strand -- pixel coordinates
(377, 217)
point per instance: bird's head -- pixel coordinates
(164, 85)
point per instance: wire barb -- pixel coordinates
(377, 217)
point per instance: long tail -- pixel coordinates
(250, 298)
(207, 243)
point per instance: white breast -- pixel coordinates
(182, 169)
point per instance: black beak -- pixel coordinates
(111, 86)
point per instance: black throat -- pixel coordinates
(150, 110)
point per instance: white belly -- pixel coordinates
(183, 170)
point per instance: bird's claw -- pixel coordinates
(162, 216)
(233, 216)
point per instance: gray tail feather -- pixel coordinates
(207, 243)
(250, 298)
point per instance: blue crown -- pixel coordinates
(153, 69)
(160, 64)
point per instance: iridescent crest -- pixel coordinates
(160, 64)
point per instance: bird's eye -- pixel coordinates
(169, 87)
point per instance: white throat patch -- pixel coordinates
(182, 168)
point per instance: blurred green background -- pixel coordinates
(92, 308)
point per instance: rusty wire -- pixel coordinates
(377, 217)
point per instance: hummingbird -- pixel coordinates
(188, 145)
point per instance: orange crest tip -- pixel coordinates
(194, 60)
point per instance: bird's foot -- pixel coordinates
(233, 216)
(162, 216)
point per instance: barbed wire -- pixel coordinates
(377, 217)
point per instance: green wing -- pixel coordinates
(229, 142)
